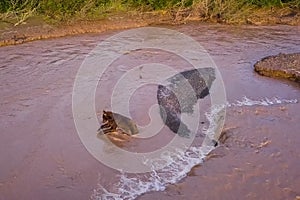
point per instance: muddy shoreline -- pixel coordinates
(35, 28)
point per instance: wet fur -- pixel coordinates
(114, 122)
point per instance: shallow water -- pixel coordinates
(41, 153)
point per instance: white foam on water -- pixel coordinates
(130, 186)
(262, 102)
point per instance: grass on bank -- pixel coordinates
(17, 11)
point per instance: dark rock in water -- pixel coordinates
(180, 94)
(280, 66)
(215, 143)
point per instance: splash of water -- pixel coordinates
(130, 187)
(262, 102)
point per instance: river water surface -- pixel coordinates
(42, 157)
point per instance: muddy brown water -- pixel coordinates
(42, 157)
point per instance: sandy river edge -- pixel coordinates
(35, 28)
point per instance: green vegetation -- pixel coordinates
(17, 11)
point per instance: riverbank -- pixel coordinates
(35, 28)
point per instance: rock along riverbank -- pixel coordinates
(280, 66)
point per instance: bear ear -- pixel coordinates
(104, 112)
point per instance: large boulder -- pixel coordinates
(179, 95)
(281, 66)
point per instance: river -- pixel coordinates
(43, 157)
